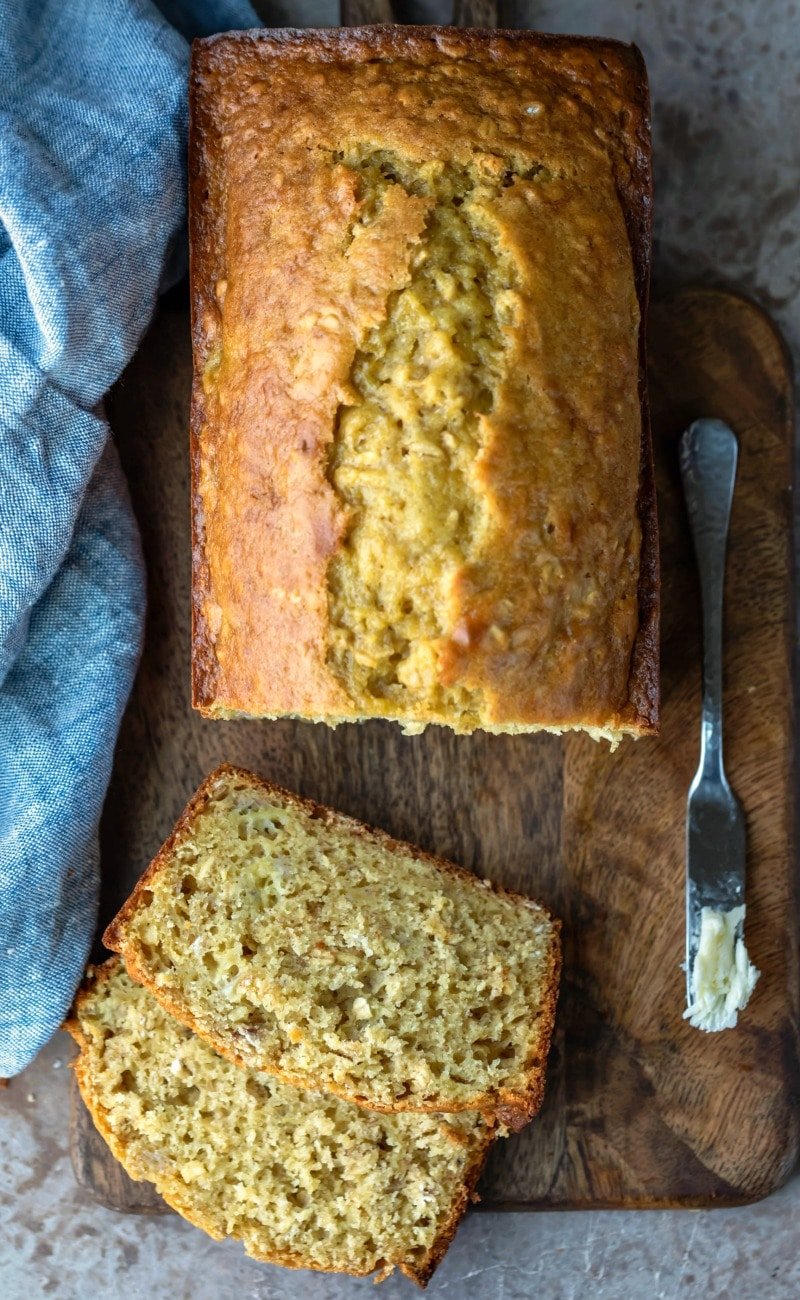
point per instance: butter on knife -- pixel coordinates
(723, 976)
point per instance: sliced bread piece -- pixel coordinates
(300, 942)
(302, 1179)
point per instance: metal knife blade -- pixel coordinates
(715, 825)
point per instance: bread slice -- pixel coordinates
(302, 1179)
(300, 942)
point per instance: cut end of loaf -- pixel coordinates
(411, 726)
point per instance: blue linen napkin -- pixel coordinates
(92, 196)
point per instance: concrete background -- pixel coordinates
(725, 77)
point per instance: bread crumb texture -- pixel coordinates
(302, 943)
(299, 1178)
(418, 435)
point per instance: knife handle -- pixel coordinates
(708, 458)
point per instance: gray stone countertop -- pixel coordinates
(725, 78)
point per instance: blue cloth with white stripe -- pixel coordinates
(92, 211)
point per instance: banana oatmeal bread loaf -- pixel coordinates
(422, 481)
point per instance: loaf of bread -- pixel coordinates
(302, 943)
(301, 1179)
(422, 480)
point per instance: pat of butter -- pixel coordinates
(723, 977)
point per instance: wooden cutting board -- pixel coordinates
(641, 1109)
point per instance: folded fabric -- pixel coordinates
(92, 199)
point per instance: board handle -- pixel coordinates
(476, 13)
(466, 13)
(361, 13)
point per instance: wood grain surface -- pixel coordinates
(641, 1109)
(658, 1110)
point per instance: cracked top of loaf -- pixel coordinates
(422, 478)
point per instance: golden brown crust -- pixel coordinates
(419, 1273)
(514, 1109)
(254, 650)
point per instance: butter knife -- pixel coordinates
(719, 976)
